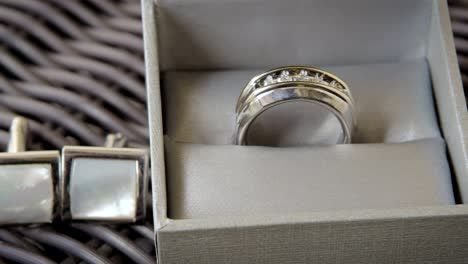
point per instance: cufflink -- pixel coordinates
(104, 183)
(28, 181)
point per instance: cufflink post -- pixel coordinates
(115, 141)
(18, 134)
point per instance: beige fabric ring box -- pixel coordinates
(395, 196)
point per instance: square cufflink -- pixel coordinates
(28, 181)
(103, 184)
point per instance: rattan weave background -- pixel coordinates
(75, 69)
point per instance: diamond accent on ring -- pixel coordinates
(284, 77)
(268, 80)
(294, 76)
(334, 84)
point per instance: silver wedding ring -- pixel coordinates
(296, 105)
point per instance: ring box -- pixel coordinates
(201, 35)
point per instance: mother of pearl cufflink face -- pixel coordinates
(28, 187)
(104, 184)
(28, 181)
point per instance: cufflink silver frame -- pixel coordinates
(85, 193)
(30, 181)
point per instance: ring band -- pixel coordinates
(294, 84)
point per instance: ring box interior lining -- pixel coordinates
(201, 81)
(394, 104)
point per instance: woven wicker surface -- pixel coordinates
(459, 16)
(75, 70)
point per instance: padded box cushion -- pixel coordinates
(214, 181)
